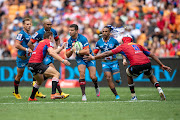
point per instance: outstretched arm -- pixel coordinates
(102, 55)
(163, 67)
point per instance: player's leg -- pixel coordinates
(131, 83)
(82, 82)
(92, 72)
(58, 85)
(47, 61)
(108, 76)
(19, 75)
(39, 80)
(52, 72)
(116, 72)
(154, 81)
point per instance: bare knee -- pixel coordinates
(93, 77)
(18, 77)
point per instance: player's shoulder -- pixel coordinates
(82, 37)
(53, 30)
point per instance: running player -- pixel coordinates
(91, 65)
(23, 56)
(139, 63)
(110, 64)
(38, 36)
(40, 70)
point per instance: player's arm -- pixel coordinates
(163, 67)
(20, 47)
(100, 56)
(124, 60)
(69, 50)
(147, 53)
(30, 45)
(59, 49)
(84, 51)
(53, 53)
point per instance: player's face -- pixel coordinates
(105, 33)
(27, 25)
(72, 31)
(51, 38)
(47, 26)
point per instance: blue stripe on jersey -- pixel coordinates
(146, 53)
(45, 50)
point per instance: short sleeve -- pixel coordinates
(19, 37)
(145, 51)
(117, 50)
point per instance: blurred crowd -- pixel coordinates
(155, 24)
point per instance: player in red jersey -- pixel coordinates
(139, 63)
(40, 70)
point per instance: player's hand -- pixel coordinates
(66, 62)
(124, 62)
(64, 45)
(74, 49)
(88, 58)
(30, 51)
(163, 67)
(73, 44)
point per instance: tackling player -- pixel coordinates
(39, 69)
(91, 65)
(139, 63)
(22, 59)
(110, 64)
(38, 36)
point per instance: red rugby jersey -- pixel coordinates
(135, 53)
(40, 51)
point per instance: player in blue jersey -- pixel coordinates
(48, 60)
(91, 65)
(23, 55)
(110, 64)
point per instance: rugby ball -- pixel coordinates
(78, 46)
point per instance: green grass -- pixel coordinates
(148, 106)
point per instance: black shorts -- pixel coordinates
(37, 68)
(138, 69)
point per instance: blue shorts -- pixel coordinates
(87, 63)
(21, 63)
(110, 66)
(48, 59)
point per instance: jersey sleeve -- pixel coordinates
(117, 50)
(85, 43)
(56, 37)
(19, 37)
(35, 37)
(50, 44)
(69, 46)
(96, 49)
(145, 51)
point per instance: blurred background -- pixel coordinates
(155, 24)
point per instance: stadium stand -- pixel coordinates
(154, 24)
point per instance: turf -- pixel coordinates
(105, 107)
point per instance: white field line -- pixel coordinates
(80, 102)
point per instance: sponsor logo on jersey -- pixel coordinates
(19, 36)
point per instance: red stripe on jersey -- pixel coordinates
(18, 40)
(86, 47)
(56, 38)
(96, 51)
(33, 40)
(68, 49)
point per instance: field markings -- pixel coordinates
(81, 102)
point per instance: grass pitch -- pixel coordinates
(148, 106)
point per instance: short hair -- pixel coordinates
(47, 34)
(109, 27)
(26, 19)
(74, 25)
